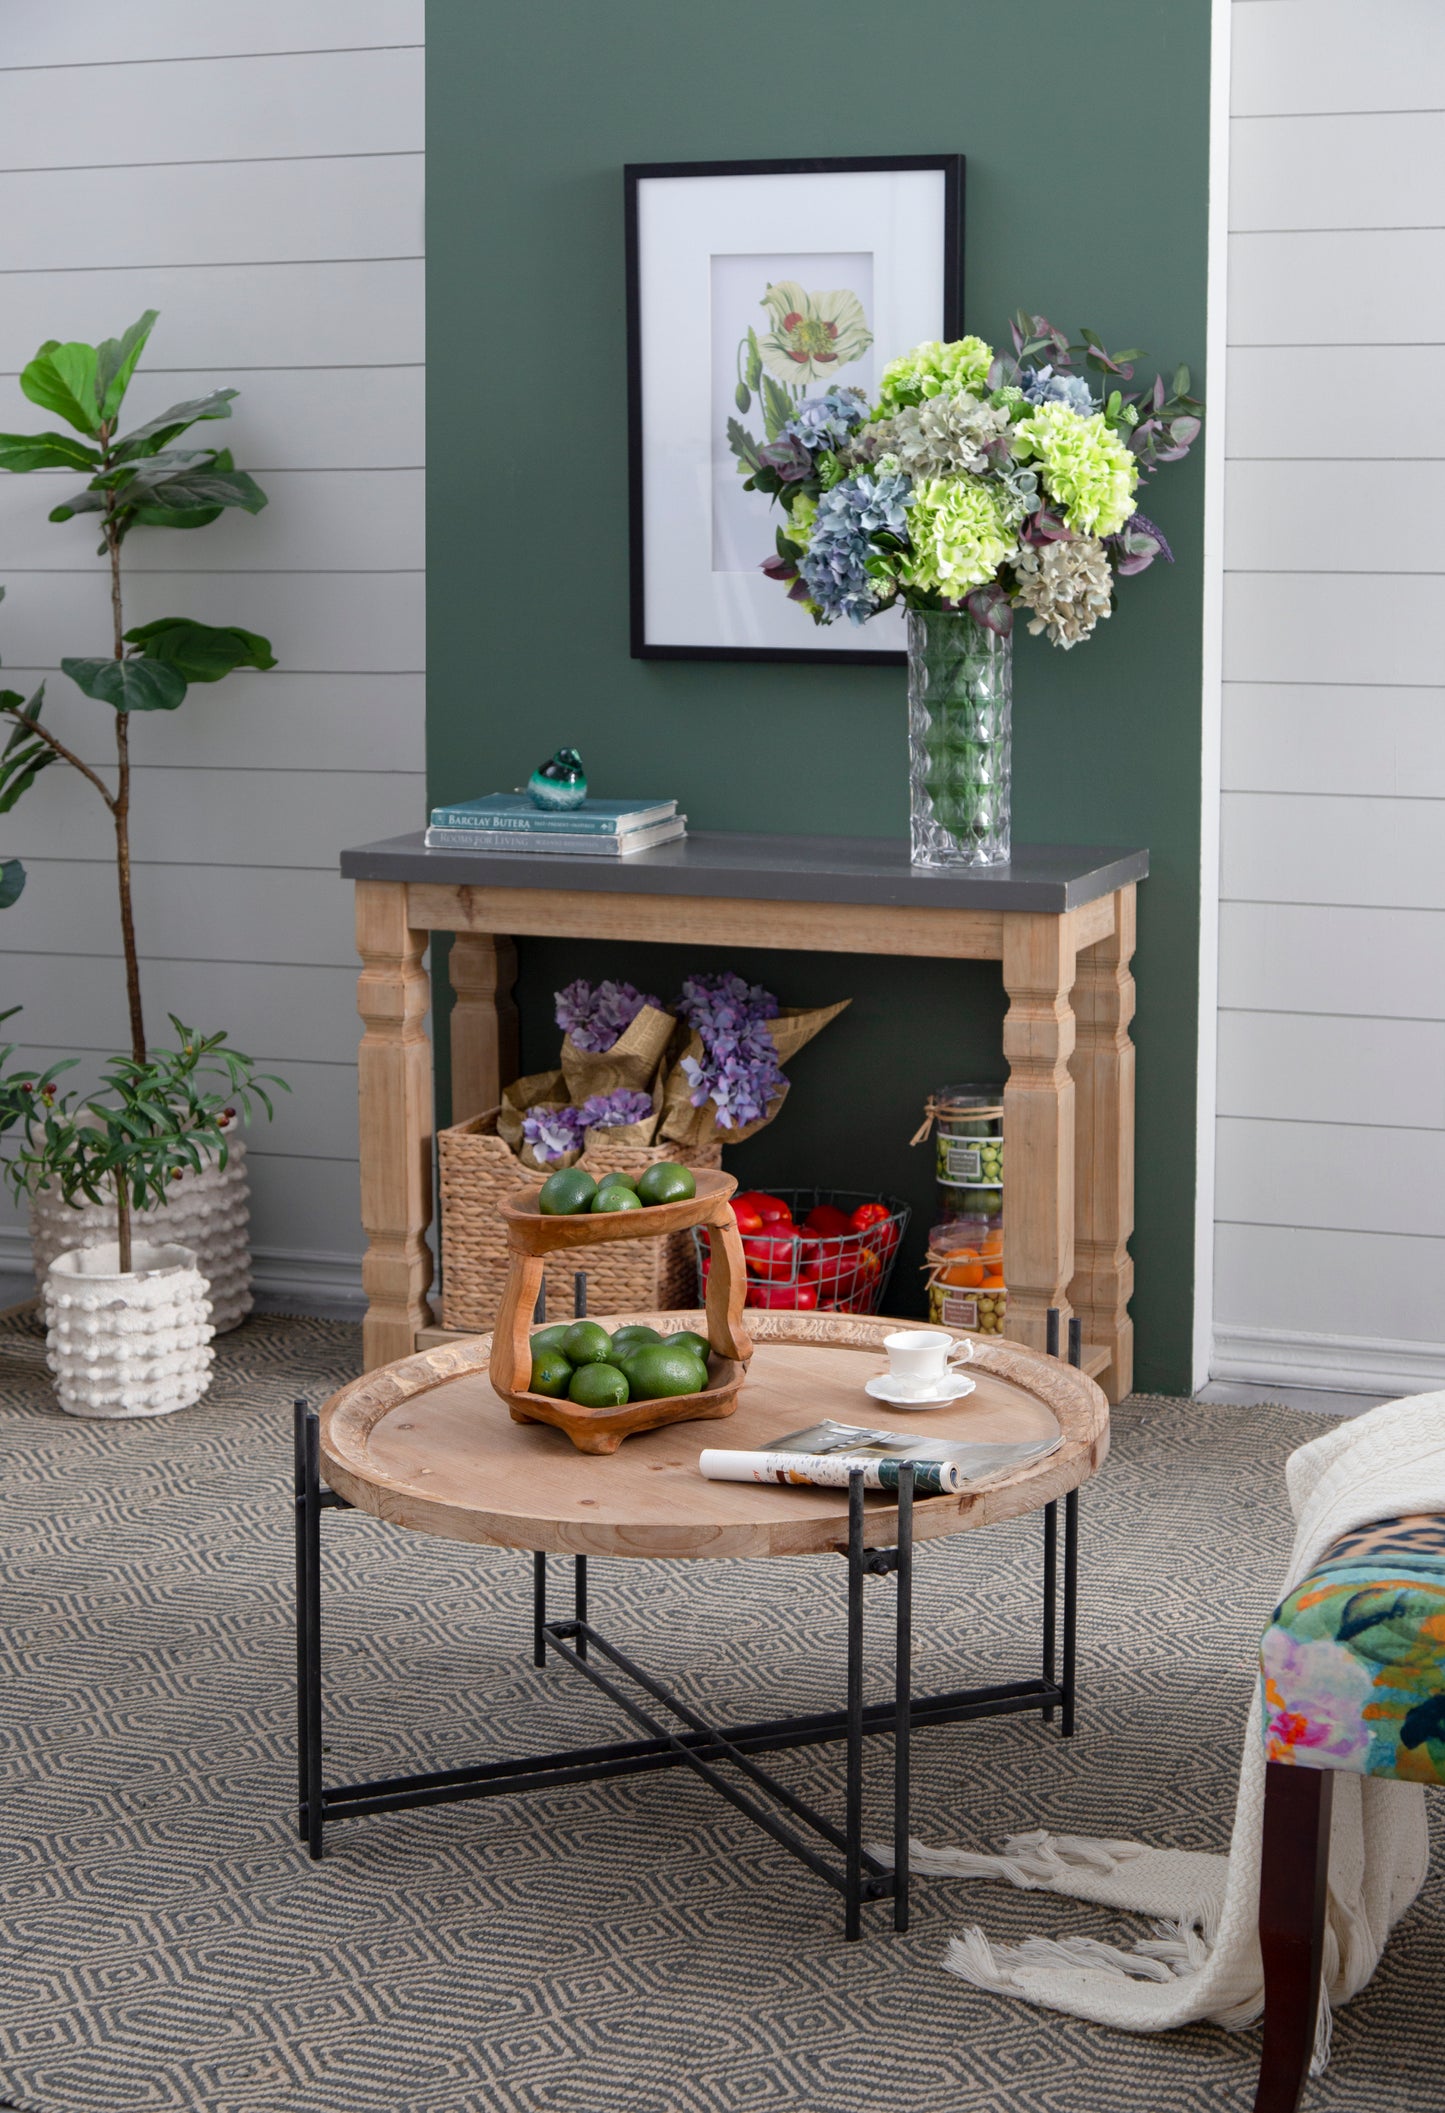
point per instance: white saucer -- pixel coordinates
(954, 1387)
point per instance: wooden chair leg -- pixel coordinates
(1293, 1879)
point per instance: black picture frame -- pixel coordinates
(951, 168)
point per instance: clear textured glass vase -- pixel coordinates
(960, 687)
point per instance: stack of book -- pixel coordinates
(510, 821)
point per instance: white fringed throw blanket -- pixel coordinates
(1202, 1959)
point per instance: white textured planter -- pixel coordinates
(137, 1344)
(210, 1213)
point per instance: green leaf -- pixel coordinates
(196, 497)
(777, 406)
(12, 882)
(1181, 381)
(149, 439)
(25, 715)
(89, 501)
(129, 685)
(19, 771)
(743, 445)
(148, 471)
(45, 451)
(61, 378)
(116, 363)
(201, 652)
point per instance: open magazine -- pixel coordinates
(827, 1453)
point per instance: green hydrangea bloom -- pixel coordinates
(960, 536)
(930, 369)
(1087, 470)
(801, 516)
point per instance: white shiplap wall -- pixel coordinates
(271, 209)
(1330, 1246)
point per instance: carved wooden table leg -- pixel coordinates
(1103, 1069)
(1038, 1123)
(396, 1122)
(484, 1022)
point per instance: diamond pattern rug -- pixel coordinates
(624, 1947)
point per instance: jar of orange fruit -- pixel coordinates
(965, 1275)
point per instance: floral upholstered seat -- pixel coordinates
(1353, 1664)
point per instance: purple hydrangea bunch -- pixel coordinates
(595, 1019)
(610, 1111)
(738, 1070)
(554, 1132)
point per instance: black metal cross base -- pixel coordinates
(703, 1747)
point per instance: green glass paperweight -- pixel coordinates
(560, 782)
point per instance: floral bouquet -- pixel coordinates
(975, 482)
(717, 1075)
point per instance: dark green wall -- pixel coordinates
(1085, 129)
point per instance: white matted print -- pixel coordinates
(750, 288)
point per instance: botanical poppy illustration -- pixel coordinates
(810, 337)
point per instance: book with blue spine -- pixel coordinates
(515, 811)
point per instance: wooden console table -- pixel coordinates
(1060, 919)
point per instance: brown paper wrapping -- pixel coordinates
(632, 1061)
(693, 1127)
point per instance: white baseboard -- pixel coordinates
(285, 1280)
(1347, 1364)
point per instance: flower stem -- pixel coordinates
(120, 805)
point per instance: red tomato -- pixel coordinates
(827, 1219)
(868, 1214)
(787, 1298)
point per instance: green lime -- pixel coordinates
(551, 1373)
(587, 1343)
(616, 1198)
(567, 1192)
(633, 1336)
(549, 1338)
(666, 1183)
(689, 1339)
(657, 1370)
(617, 1180)
(598, 1386)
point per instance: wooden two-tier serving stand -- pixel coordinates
(532, 1236)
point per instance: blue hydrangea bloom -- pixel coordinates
(1043, 386)
(826, 421)
(834, 566)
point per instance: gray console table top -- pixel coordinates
(1042, 878)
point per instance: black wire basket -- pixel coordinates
(796, 1269)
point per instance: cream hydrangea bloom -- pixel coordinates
(1068, 585)
(1087, 469)
(959, 536)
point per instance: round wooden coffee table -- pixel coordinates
(427, 1445)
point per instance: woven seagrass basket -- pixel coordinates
(478, 1170)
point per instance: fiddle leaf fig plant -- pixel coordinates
(149, 1122)
(135, 480)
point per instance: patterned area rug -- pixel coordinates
(625, 1947)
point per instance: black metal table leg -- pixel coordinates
(539, 1609)
(303, 1652)
(1051, 1598)
(311, 1624)
(902, 1697)
(579, 1598)
(1071, 1557)
(853, 1763)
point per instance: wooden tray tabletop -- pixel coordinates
(427, 1444)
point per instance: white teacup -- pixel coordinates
(920, 1359)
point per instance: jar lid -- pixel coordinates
(952, 1102)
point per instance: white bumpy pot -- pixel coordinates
(208, 1212)
(136, 1343)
